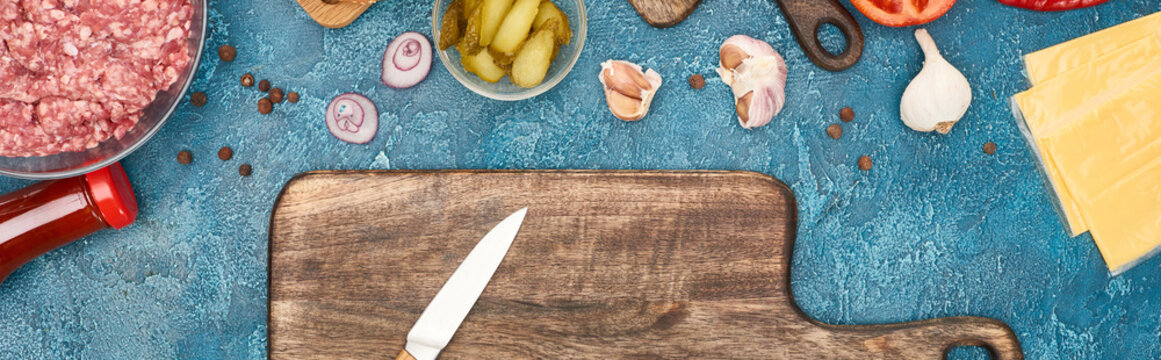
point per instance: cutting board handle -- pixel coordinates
(807, 16)
(932, 339)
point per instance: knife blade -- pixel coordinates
(455, 299)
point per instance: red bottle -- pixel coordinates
(49, 214)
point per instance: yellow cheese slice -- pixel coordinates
(1080, 89)
(1110, 158)
(1056, 103)
(1057, 59)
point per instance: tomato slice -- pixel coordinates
(899, 13)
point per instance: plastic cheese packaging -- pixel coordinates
(1054, 103)
(1110, 159)
(1093, 120)
(1047, 63)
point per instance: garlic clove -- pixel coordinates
(628, 91)
(623, 106)
(756, 75)
(758, 107)
(731, 56)
(742, 107)
(622, 77)
(735, 50)
(938, 96)
(740, 47)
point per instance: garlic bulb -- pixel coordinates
(757, 75)
(938, 96)
(628, 90)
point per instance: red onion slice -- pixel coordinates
(352, 118)
(407, 60)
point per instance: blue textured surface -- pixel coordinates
(936, 229)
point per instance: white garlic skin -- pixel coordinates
(757, 77)
(938, 96)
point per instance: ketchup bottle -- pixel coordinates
(49, 214)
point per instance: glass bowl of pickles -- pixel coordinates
(509, 49)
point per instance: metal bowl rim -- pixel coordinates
(201, 44)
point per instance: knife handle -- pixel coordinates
(404, 355)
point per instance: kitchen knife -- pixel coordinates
(455, 299)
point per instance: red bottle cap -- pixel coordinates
(114, 196)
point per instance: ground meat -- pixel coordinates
(74, 73)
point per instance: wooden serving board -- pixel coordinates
(335, 14)
(664, 13)
(623, 264)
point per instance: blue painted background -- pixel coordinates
(937, 228)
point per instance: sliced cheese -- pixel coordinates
(1110, 159)
(1058, 102)
(1052, 61)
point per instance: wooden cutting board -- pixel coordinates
(658, 13)
(335, 14)
(664, 13)
(624, 264)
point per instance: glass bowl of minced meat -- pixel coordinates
(82, 87)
